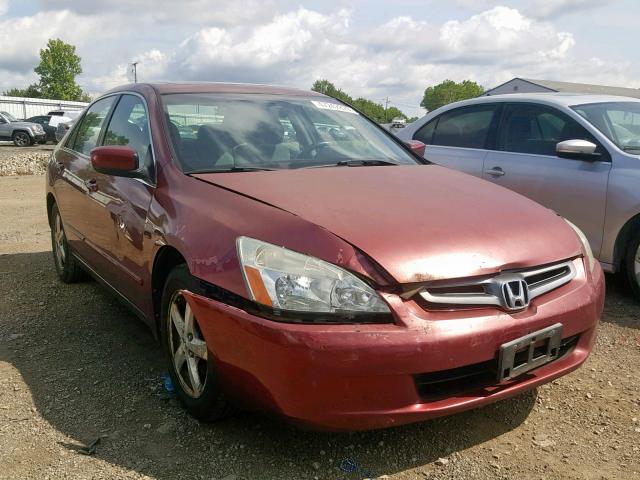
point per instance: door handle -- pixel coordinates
(91, 184)
(495, 171)
(60, 166)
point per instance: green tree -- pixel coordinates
(59, 66)
(32, 91)
(449, 91)
(370, 108)
(328, 88)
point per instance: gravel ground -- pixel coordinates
(76, 366)
(23, 160)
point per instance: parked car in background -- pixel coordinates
(63, 127)
(70, 114)
(328, 275)
(21, 133)
(49, 130)
(576, 154)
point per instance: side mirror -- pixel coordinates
(119, 161)
(577, 150)
(417, 147)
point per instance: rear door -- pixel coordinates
(74, 185)
(120, 204)
(459, 138)
(525, 160)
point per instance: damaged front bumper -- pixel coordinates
(358, 377)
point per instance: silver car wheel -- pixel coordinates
(21, 139)
(188, 347)
(59, 241)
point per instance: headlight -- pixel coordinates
(585, 244)
(287, 280)
(39, 129)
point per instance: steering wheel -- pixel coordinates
(312, 151)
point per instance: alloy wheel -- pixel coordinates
(59, 241)
(21, 139)
(188, 347)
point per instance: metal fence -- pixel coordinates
(21, 107)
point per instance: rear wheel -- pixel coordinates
(632, 263)
(190, 365)
(67, 266)
(21, 139)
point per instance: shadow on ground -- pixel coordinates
(93, 369)
(620, 307)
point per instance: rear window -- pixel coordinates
(212, 132)
(466, 127)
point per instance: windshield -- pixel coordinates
(9, 117)
(619, 121)
(223, 132)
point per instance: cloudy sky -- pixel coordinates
(370, 48)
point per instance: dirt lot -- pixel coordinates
(76, 366)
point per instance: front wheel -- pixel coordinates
(632, 263)
(190, 365)
(21, 139)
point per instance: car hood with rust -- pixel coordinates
(420, 223)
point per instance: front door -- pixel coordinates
(525, 161)
(117, 228)
(75, 183)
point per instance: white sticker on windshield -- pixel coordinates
(338, 107)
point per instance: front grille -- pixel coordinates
(479, 377)
(512, 290)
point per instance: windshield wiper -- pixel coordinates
(356, 163)
(233, 169)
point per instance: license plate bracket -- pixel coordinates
(530, 351)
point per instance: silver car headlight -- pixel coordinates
(283, 279)
(39, 129)
(585, 244)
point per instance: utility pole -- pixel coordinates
(135, 71)
(386, 104)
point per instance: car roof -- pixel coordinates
(215, 87)
(551, 98)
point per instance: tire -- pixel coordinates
(68, 268)
(21, 139)
(205, 401)
(632, 263)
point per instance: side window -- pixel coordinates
(536, 129)
(129, 125)
(88, 131)
(466, 127)
(425, 133)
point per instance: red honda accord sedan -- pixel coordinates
(295, 258)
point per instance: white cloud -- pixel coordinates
(397, 58)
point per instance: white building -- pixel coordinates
(528, 85)
(21, 107)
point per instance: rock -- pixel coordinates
(588, 395)
(315, 465)
(441, 462)
(146, 426)
(15, 336)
